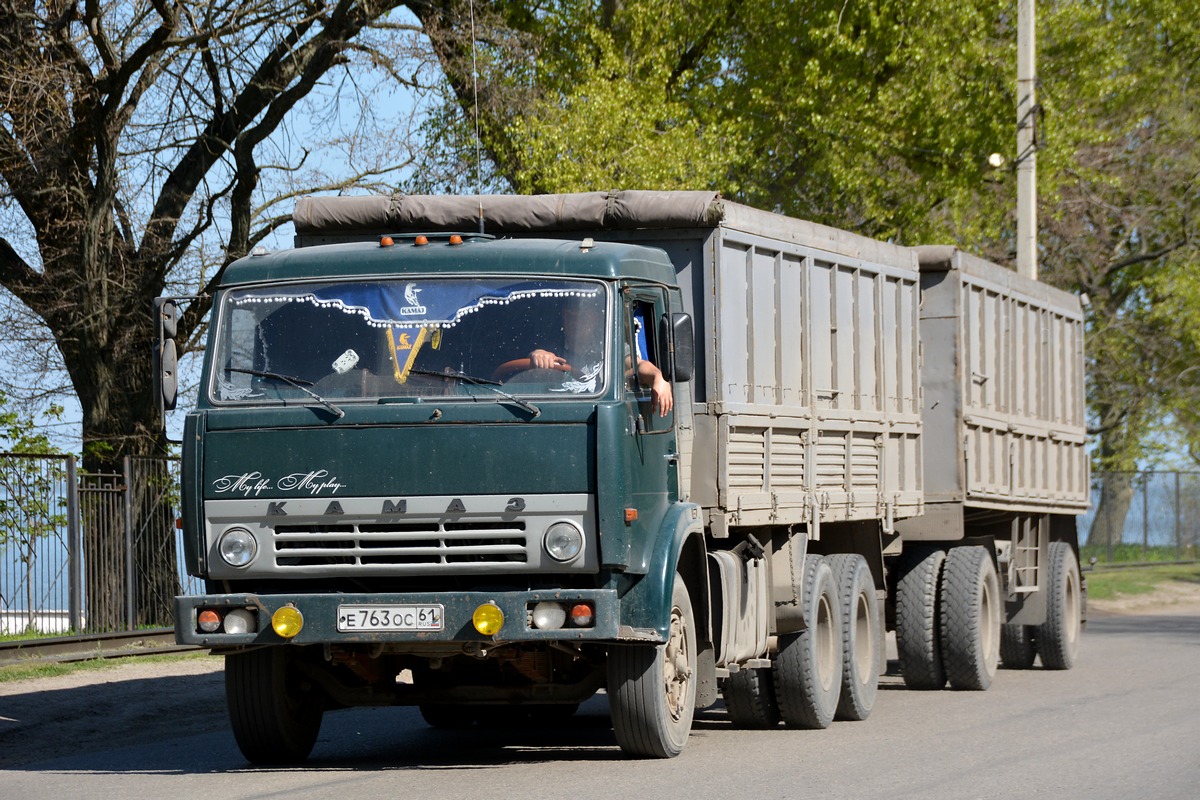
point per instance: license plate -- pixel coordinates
(389, 618)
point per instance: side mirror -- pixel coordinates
(676, 331)
(166, 356)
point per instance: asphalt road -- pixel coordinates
(1124, 723)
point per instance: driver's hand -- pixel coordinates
(660, 395)
(544, 359)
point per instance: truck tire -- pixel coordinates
(808, 666)
(918, 643)
(274, 711)
(862, 635)
(750, 699)
(969, 615)
(1018, 647)
(652, 688)
(1058, 637)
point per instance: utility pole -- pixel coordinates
(1027, 143)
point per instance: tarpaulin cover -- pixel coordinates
(508, 213)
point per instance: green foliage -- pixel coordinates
(1109, 584)
(1134, 553)
(21, 434)
(625, 99)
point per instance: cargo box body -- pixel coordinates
(1003, 386)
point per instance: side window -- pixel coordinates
(641, 345)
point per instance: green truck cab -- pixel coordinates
(390, 503)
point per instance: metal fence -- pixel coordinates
(1154, 515)
(88, 553)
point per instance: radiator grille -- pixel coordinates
(424, 544)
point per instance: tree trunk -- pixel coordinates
(127, 515)
(1116, 496)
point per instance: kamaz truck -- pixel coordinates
(489, 456)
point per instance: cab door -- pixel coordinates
(653, 451)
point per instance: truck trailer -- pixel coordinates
(489, 456)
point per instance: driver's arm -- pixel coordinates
(660, 389)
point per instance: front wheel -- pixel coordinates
(274, 711)
(652, 688)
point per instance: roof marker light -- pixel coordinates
(455, 239)
(421, 241)
(386, 241)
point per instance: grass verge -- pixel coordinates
(49, 669)
(1111, 584)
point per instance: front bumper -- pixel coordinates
(321, 613)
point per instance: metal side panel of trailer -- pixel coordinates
(806, 406)
(810, 390)
(1003, 391)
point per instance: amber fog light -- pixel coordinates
(287, 622)
(488, 619)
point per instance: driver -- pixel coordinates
(583, 344)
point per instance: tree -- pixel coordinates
(1120, 220)
(146, 144)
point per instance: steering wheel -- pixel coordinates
(510, 368)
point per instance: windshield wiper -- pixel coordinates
(489, 384)
(297, 382)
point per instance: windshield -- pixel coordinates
(452, 337)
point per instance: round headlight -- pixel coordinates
(238, 547)
(564, 541)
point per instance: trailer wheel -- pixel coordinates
(969, 611)
(917, 636)
(1058, 636)
(750, 699)
(652, 688)
(808, 667)
(862, 635)
(1018, 646)
(274, 711)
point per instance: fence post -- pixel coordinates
(1178, 513)
(1107, 490)
(130, 594)
(74, 549)
(1146, 512)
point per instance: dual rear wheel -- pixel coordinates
(828, 671)
(949, 618)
